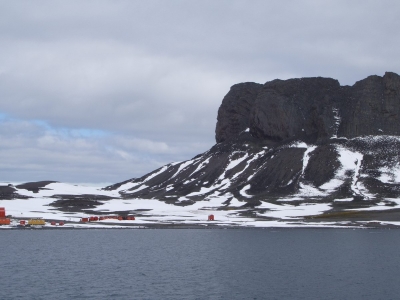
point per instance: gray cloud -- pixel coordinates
(108, 90)
(35, 151)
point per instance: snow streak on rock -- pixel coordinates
(337, 118)
(183, 166)
(390, 174)
(248, 162)
(201, 166)
(306, 189)
(243, 191)
(351, 163)
(306, 157)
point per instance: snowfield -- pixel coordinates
(154, 212)
(232, 184)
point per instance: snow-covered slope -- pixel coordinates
(342, 175)
(354, 168)
(340, 183)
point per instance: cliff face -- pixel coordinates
(234, 112)
(311, 109)
(372, 107)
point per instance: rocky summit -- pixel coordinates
(311, 109)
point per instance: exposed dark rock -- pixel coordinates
(371, 107)
(117, 185)
(9, 192)
(279, 175)
(296, 108)
(322, 165)
(34, 186)
(234, 112)
(75, 205)
(311, 109)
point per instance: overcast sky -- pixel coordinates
(104, 91)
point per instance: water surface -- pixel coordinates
(200, 264)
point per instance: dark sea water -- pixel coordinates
(200, 264)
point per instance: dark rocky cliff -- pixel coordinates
(234, 112)
(311, 109)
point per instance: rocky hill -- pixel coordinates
(306, 139)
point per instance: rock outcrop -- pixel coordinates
(311, 109)
(234, 112)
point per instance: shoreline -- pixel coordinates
(149, 226)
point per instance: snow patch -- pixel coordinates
(337, 118)
(142, 187)
(243, 191)
(201, 165)
(298, 144)
(350, 162)
(291, 211)
(390, 175)
(182, 166)
(234, 163)
(306, 156)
